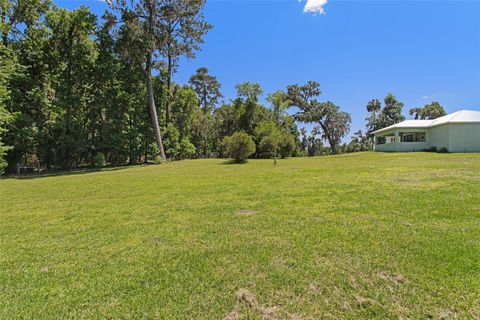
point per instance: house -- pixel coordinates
(456, 132)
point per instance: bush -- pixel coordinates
(287, 146)
(100, 160)
(171, 141)
(154, 153)
(187, 149)
(442, 150)
(239, 146)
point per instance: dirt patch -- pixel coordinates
(395, 278)
(243, 296)
(246, 212)
(446, 314)
(365, 302)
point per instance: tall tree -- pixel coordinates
(392, 111)
(374, 108)
(250, 113)
(206, 87)
(430, 111)
(183, 27)
(279, 105)
(72, 53)
(7, 68)
(141, 39)
(334, 123)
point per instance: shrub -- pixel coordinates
(171, 141)
(287, 146)
(100, 160)
(239, 146)
(442, 150)
(187, 149)
(154, 153)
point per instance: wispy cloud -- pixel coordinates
(425, 97)
(315, 6)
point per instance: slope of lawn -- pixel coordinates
(369, 235)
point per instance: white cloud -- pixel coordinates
(425, 97)
(315, 6)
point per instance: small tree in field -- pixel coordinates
(272, 142)
(239, 146)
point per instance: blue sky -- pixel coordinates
(357, 50)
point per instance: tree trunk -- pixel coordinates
(332, 144)
(169, 89)
(274, 156)
(151, 105)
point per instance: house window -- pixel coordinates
(412, 136)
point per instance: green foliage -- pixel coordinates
(274, 140)
(430, 111)
(7, 68)
(187, 149)
(239, 146)
(100, 160)
(154, 153)
(359, 142)
(380, 118)
(333, 123)
(171, 141)
(271, 142)
(206, 87)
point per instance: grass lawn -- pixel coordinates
(369, 235)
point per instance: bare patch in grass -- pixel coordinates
(395, 278)
(365, 302)
(446, 314)
(44, 270)
(243, 296)
(246, 212)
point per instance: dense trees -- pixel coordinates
(80, 90)
(430, 111)
(379, 117)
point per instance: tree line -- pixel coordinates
(80, 90)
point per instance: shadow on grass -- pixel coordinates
(61, 173)
(230, 162)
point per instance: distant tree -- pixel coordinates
(250, 112)
(183, 27)
(359, 142)
(226, 120)
(272, 142)
(239, 146)
(379, 118)
(391, 112)
(7, 68)
(334, 123)
(374, 108)
(249, 91)
(430, 111)
(71, 57)
(141, 41)
(274, 139)
(206, 87)
(279, 105)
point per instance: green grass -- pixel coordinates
(370, 235)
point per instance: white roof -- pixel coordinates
(462, 116)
